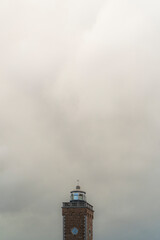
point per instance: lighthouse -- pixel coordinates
(77, 216)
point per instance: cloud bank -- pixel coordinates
(79, 98)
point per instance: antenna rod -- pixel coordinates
(77, 182)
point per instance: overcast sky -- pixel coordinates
(80, 99)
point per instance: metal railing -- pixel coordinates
(76, 204)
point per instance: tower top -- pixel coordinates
(78, 194)
(77, 199)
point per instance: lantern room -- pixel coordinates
(78, 194)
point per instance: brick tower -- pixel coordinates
(77, 217)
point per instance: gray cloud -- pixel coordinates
(79, 98)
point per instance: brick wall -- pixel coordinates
(75, 217)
